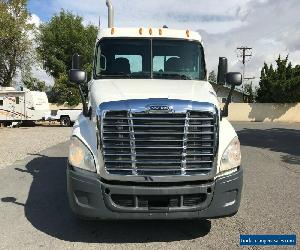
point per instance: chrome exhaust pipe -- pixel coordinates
(110, 13)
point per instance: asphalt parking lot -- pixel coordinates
(34, 211)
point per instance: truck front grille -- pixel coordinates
(158, 143)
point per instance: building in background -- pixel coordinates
(222, 92)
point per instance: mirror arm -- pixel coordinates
(85, 111)
(224, 112)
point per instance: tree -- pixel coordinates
(58, 40)
(34, 84)
(249, 93)
(14, 38)
(279, 85)
(61, 92)
(212, 77)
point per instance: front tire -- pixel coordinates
(65, 121)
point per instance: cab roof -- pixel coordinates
(149, 32)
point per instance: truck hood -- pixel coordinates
(107, 90)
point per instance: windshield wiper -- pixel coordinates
(185, 77)
(118, 75)
(130, 76)
(173, 75)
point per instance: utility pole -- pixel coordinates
(244, 55)
(246, 52)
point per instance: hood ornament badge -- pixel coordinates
(159, 108)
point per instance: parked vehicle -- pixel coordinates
(152, 142)
(20, 106)
(66, 117)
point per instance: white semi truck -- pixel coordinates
(152, 142)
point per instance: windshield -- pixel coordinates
(149, 58)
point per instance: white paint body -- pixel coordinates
(22, 105)
(126, 89)
(106, 90)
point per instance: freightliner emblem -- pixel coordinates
(159, 108)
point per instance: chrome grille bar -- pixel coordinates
(185, 137)
(157, 118)
(158, 133)
(159, 126)
(132, 145)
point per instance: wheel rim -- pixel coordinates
(65, 122)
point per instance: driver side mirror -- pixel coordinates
(76, 75)
(234, 79)
(79, 77)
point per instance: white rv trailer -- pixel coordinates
(24, 105)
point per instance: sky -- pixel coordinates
(270, 27)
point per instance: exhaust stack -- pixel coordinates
(110, 13)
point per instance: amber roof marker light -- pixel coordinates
(187, 33)
(112, 31)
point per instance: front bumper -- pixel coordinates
(91, 197)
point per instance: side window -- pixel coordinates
(1, 102)
(17, 100)
(135, 62)
(97, 62)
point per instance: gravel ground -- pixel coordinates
(18, 143)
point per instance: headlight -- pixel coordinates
(232, 156)
(80, 156)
